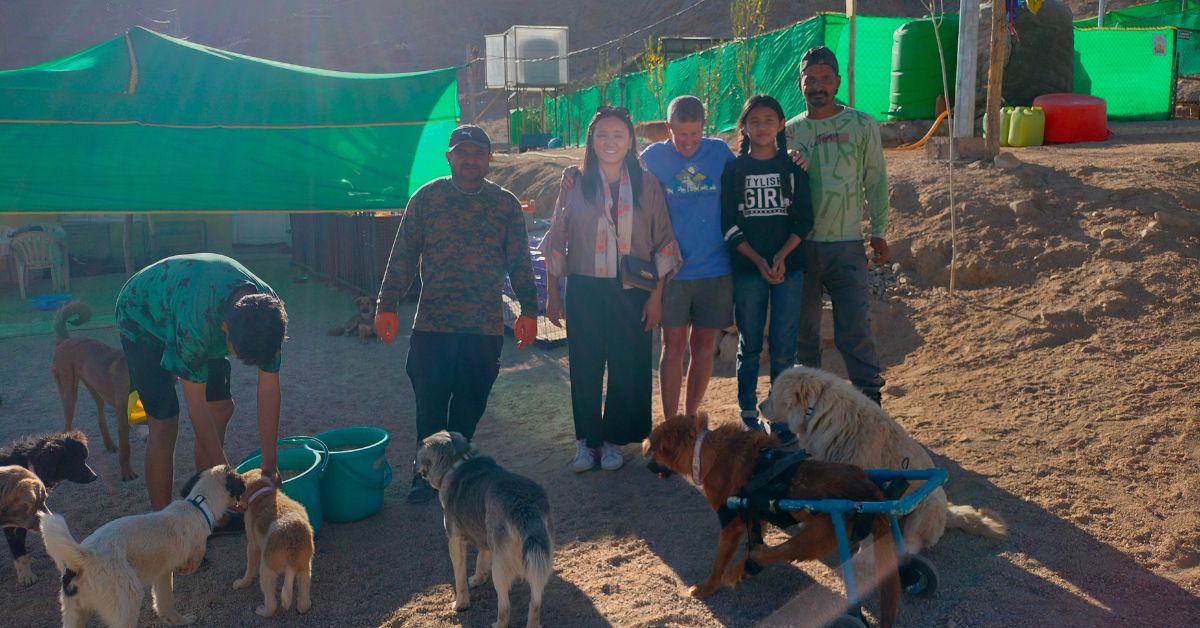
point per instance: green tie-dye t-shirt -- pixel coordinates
(180, 302)
(846, 171)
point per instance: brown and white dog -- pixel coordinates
(108, 573)
(721, 462)
(362, 324)
(22, 497)
(102, 370)
(279, 540)
(53, 458)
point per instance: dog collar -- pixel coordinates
(260, 492)
(202, 505)
(696, 457)
(463, 457)
(812, 409)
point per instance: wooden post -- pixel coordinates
(851, 14)
(968, 54)
(996, 76)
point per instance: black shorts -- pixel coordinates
(156, 385)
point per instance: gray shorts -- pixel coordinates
(698, 302)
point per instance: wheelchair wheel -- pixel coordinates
(919, 577)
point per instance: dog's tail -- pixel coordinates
(537, 548)
(977, 521)
(76, 313)
(68, 556)
(887, 570)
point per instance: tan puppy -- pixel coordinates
(104, 373)
(834, 421)
(22, 497)
(362, 324)
(279, 539)
(108, 573)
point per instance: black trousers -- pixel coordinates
(604, 328)
(452, 376)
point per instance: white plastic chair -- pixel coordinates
(39, 250)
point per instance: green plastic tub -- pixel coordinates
(358, 472)
(310, 461)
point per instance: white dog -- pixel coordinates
(108, 573)
(833, 421)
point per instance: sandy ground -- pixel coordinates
(1057, 386)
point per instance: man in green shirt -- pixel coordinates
(179, 318)
(847, 174)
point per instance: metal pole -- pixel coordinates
(1100, 14)
(968, 53)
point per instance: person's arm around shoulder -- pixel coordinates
(520, 274)
(401, 267)
(875, 187)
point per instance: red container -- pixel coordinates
(1073, 118)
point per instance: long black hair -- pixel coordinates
(592, 177)
(752, 103)
(782, 159)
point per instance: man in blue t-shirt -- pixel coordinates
(698, 300)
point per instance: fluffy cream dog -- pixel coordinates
(834, 421)
(108, 573)
(279, 540)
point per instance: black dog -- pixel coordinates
(53, 458)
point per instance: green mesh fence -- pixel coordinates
(1109, 61)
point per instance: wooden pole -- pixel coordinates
(968, 53)
(851, 13)
(996, 76)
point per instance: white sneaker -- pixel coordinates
(610, 457)
(585, 459)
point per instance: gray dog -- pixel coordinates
(504, 515)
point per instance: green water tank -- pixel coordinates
(917, 70)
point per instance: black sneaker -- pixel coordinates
(235, 523)
(420, 491)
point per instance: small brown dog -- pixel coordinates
(724, 463)
(362, 324)
(104, 373)
(22, 497)
(279, 539)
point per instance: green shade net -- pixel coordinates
(1108, 61)
(775, 70)
(147, 123)
(1159, 14)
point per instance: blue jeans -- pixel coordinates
(840, 268)
(752, 297)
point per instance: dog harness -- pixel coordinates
(770, 482)
(202, 505)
